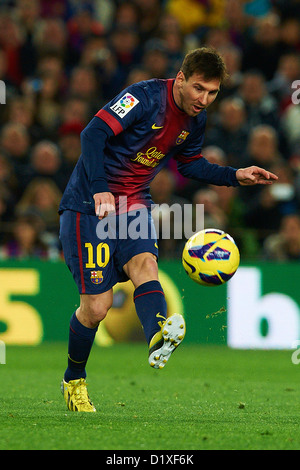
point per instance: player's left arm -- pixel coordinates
(192, 164)
(200, 169)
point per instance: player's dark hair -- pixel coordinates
(205, 61)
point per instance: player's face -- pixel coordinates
(195, 94)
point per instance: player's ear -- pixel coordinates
(180, 78)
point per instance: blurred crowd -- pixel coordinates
(62, 60)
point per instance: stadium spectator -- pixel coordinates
(263, 146)
(100, 56)
(229, 132)
(192, 14)
(74, 109)
(286, 192)
(137, 74)
(285, 245)
(260, 106)
(24, 241)
(228, 199)
(51, 36)
(125, 45)
(81, 26)
(150, 14)
(6, 212)
(69, 142)
(15, 143)
(290, 125)
(265, 209)
(27, 13)
(155, 59)
(263, 215)
(22, 110)
(10, 44)
(214, 216)
(45, 92)
(8, 179)
(52, 64)
(127, 14)
(83, 84)
(41, 197)
(232, 56)
(10, 87)
(257, 8)
(46, 162)
(264, 49)
(290, 34)
(217, 38)
(173, 40)
(281, 85)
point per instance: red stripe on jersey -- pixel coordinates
(78, 238)
(184, 159)
(110, 120)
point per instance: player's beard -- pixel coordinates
(193, 109)
(190, 108)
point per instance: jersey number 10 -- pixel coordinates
(102, 255)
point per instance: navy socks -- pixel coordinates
(81, 340)
(151, 307)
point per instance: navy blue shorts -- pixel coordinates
(96, 251)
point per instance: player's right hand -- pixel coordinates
(104, 204)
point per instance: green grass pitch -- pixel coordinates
(207, 397)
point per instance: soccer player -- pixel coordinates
(123, 147)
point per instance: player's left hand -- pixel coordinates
(255, 175)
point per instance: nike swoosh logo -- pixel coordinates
(154, 126)
(158, 315)
(160, 323)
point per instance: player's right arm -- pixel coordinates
(93, 142)
(112, 119)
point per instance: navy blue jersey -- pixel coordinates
(129, 140)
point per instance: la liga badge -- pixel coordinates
(124, 105)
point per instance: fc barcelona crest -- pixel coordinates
(181, 138)
(96, 277)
